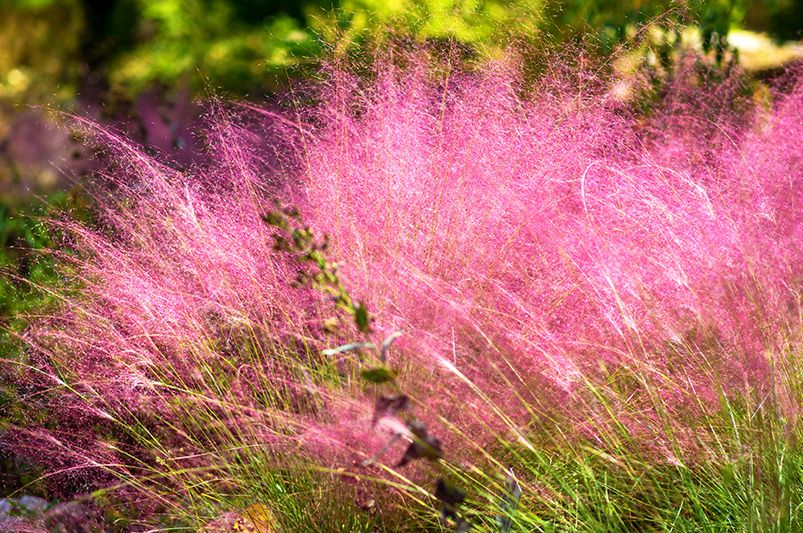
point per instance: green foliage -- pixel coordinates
(244, 47)
(228, 46)
(782, 19)
(378, 375)
(40, 45)
(23, 235)
(487, 27)
(28, 273)
(609, 23)
(479, 23)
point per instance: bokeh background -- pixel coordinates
(147, 66)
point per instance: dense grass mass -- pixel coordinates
(605, 305)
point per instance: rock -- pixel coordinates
(6, 506)
(32, 505)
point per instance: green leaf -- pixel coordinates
(361, 318)
(275, 218)
(379, 374)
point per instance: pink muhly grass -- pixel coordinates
(541, 239)
(557, 265)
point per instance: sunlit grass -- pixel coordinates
(599, 310)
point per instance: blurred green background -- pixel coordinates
(141, 65)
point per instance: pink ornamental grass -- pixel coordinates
(556, 234)
(530, 248)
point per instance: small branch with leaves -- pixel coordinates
(315, 270)
(300, 242)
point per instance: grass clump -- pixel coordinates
(601, 313)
